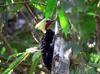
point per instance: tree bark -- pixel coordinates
(61, 57)
(98, 31)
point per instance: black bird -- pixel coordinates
(47, 45)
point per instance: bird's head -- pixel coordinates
(44, 25)
(48, 24)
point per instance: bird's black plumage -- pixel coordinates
(47, 47)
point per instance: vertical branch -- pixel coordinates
(98, 31)
(61, 58)
(61, 55)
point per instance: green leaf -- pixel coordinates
(3, 50)
(38, 6)
(91, 14)
(14, 55)
(93, 6)
(14, 64)
(63, 21)
(94, 58)
(35, 61)
(51, 4)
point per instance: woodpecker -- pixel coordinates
(46, 45)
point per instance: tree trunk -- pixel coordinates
(61, 58)
(98, 31)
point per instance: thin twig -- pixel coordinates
(98, 32)
(3, 5)
(34, 34)
(14, 3)
(30, 11)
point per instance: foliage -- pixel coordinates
(63, 21)
(15, 63)
(35, 61)
(77, 19)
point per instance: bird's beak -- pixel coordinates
(43, 25)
